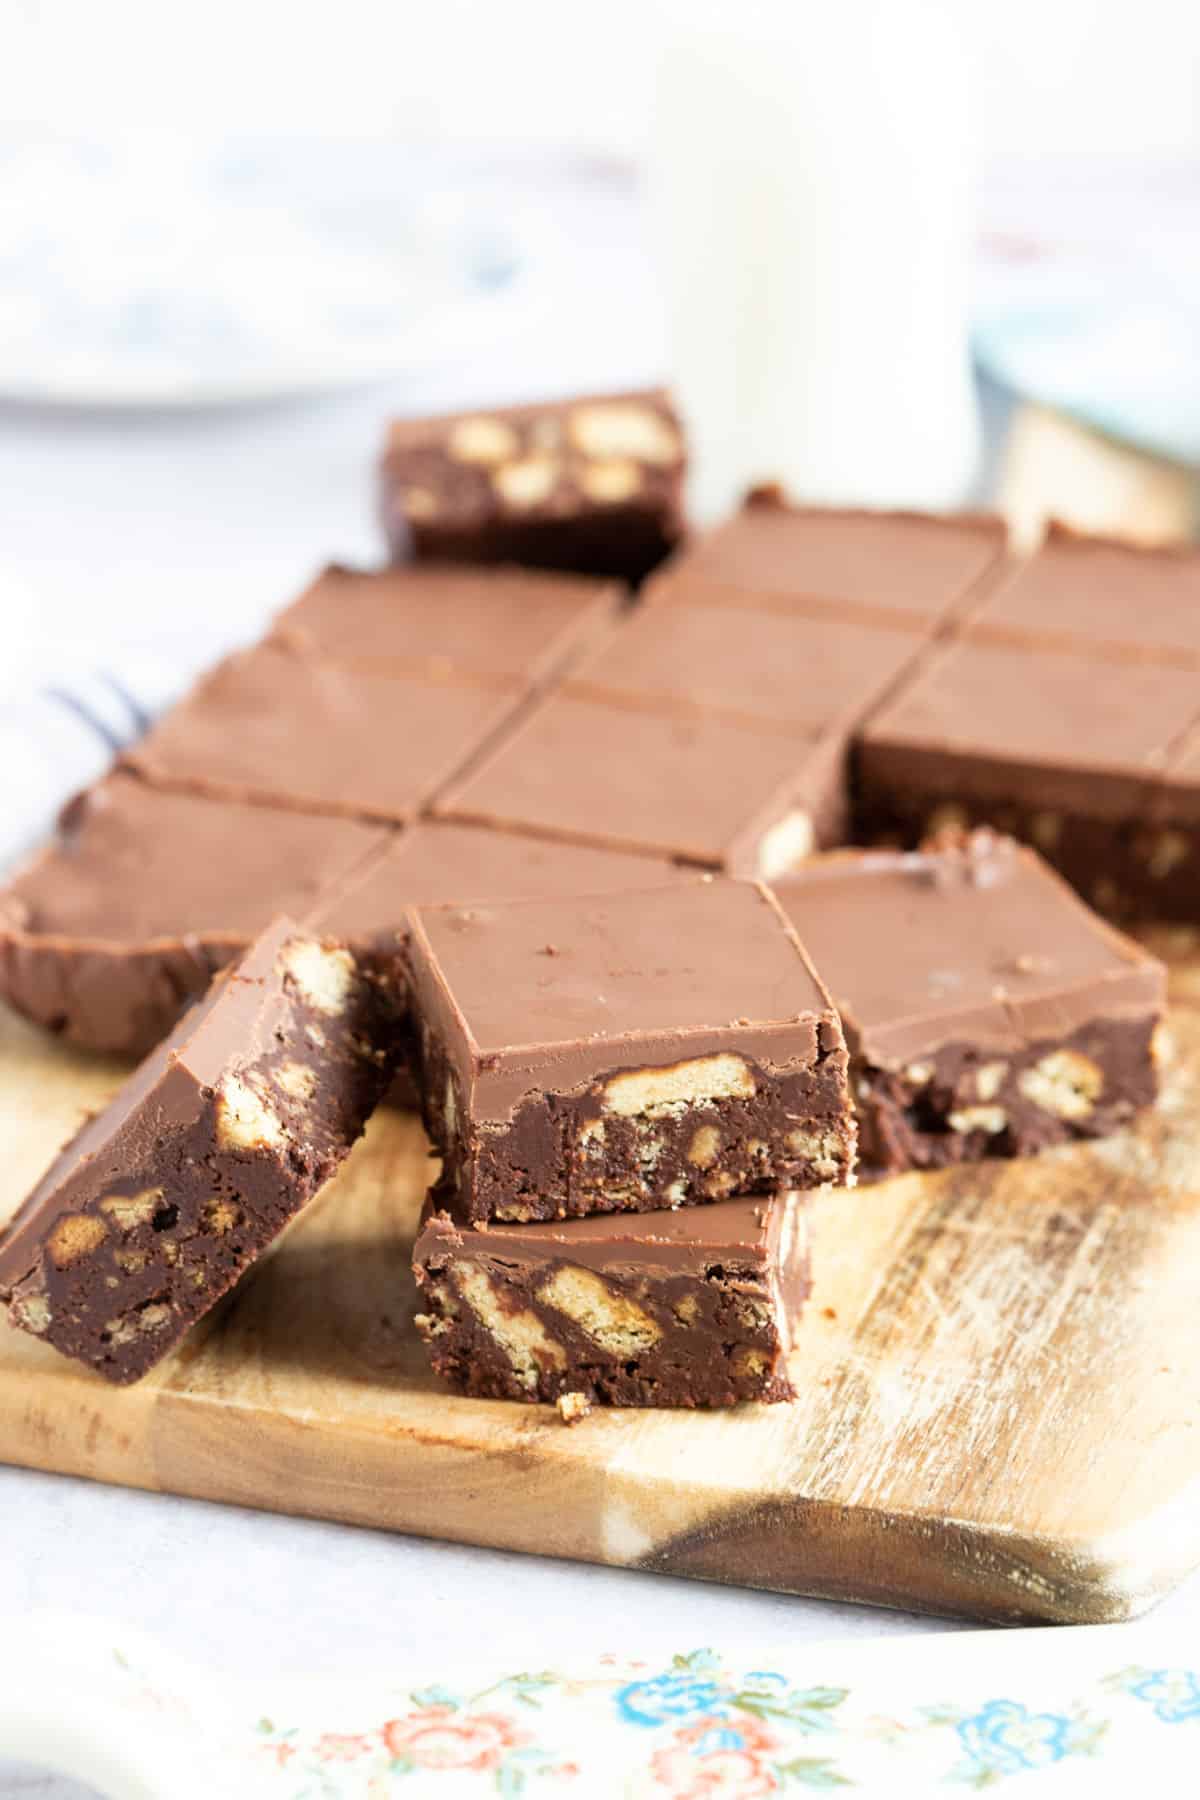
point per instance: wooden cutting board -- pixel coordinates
(1000, 1386)
(999, 1379)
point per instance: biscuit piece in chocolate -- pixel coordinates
(1070, 752)
(988, 1011)
(278, 728)
(593, 484)
(620, 1053)
(157, 1205)
(913, 568)
(519, 624)
(666, 781)
(672, 1309)
(1100, 596)
(109, 933)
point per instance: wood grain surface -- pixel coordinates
(999, 1411)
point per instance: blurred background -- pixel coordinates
(896, 251)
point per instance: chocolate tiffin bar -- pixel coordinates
(690, 1308)
(625, 1052)
(158, 1204)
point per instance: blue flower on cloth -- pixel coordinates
(721, 1734)
(681, 1692)
(1173, 1693)
(1006, 1738)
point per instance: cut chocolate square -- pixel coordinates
(917, 568)
(1100, 596)
(280, 729)
(436, 861)
(519, 624)
(157, 1205)
(625, 1052)
(1064, 751)
(675, 1309)
(593, 484)
(106, 935)
(767, 665)
(667, 782)
(988, 1011)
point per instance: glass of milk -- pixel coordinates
(810, 189)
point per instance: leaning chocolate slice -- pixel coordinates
(154, 1209)
(677, 1309)
(625, 1052)
(989, 1012)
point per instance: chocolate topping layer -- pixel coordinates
(741, 1230)
(1004, 723)
(566, 987)
(704, 789)
(106, 935)
(436, 861)
(895, 564)
(278, 728)
(1099, 595)
(767, 665)
(448, 621)
(983, 943)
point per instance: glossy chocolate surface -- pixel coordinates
(983, 943)
(106, 935)
(699, 787)
(1099, 595)
(279, 728)
(896, 564)
(436, 861)
(508, 622)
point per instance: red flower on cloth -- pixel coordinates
(718, 1775)
(730, 1768)
(336, 1746)
(438, 1737)
(750, 1732)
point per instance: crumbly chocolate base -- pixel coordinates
(962, 1103)
(1133, 871)
(593, 1313)
(157, 1205)
(569, 1155)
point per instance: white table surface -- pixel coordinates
(180, 533)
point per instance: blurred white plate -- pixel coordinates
(153, 270)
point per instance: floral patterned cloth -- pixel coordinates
(699, 1730)
(1058, 1712)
